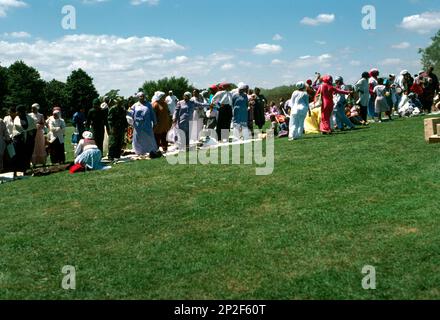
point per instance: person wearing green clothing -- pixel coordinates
(117, 122)
(97, 123)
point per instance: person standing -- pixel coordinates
(298, 113)
(160, 107)
(79, 121)
(39, 155)
(117, 122)
(23, 136)
(196, 124)
(4, 140)
(326, 91)
(171, 101)
(240, 104)
(381, 104)
(183, 115)
(97, 123)
(340, 103)
(363, 88)
(56, 135)
(144, 120)
(9, 120)
(259, 108)
(223, 100)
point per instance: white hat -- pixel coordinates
(36, 105)
(187, 94)
(300, 85)
(87, 135)
(404, 72)
(140, 94)
(157, 96)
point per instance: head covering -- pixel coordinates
(214, 88)
(224, 86)
(374, 72)
(140, 94)
(392, 75)
(205, 93)
(87, 135)
(36, 105)
(404, 72)
(56, 111)
(170, 92)
(327, 79)
(157, 96)
(300, 85)
(187, 94)
(365, 74)
(243, 86)
(309, 82)
(339, 79)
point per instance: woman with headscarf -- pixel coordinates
(326, 91)
(198, 117)
(144, 119)
(298, 113)
(163, 120)
(117, 122)
(39, 155)
(87, 153)
(57, 131)
(23, 136)
(183, 115)
(240, 104)
(381, 104)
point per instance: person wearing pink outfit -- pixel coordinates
(326, 90)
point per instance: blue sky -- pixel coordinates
(122, 43)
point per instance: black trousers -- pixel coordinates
(56, 151)
(364, 113)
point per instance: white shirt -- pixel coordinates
(57, 128)
(222, 97)
(172, 103)
(9, 124)
(18, 129)
(362, 86)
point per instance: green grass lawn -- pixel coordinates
(148, 230)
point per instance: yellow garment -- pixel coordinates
(311, 125)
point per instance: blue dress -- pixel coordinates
(144, 119)
(240, 104)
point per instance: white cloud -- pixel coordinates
(6, 5)
(17, 35)
(312, 61)
(322, 43)
(402, 45)
(322, 18)
(355, 63)
(132, 2)
(276, 62)
(422, 23)
(227, 66)
(277, 37)
(265, 48)
(391, 62)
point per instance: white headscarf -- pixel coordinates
(157, 96)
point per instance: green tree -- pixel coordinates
(80, 91)
(431, 54)
(56, 95)
(178, 85)
(277, 93)
(25, 86)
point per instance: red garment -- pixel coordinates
(77, 168)
(417, 89)
(327, 91)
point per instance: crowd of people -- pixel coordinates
(219, 114)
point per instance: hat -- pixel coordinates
(140, 94)
(56, 111)
(214, 87)
(300, 85)
(404, 72)
(87, 135)
(309, 82)
(243, 86)
(339, 79)
(158, 95)
(36, 105)
(187, 94)
(327, 79)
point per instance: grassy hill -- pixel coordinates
(148, 230)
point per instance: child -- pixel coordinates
(353, 113)
(275, 125)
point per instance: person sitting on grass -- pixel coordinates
(354, 114)
(87, 153)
